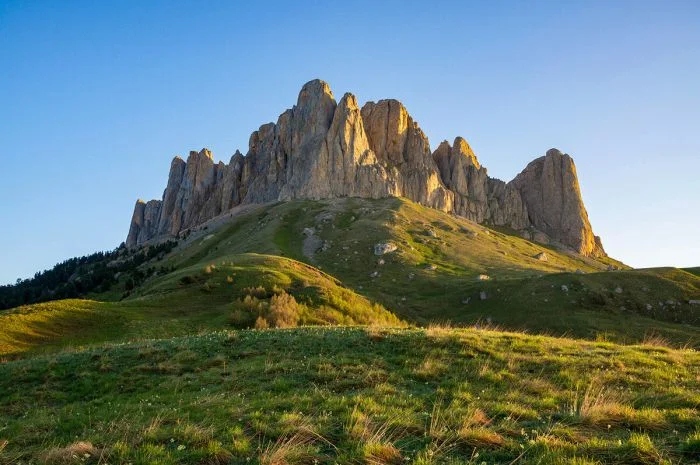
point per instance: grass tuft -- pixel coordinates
(75, 453)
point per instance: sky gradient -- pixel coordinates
(97, 98)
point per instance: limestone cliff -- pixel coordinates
(322, 149)
(549, 187)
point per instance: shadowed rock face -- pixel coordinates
(321, 149)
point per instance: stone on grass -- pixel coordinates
(384, 248)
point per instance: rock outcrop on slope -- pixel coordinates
(322, 149)
(549, 187)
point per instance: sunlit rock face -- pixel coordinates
(549, 187)
(321, 149)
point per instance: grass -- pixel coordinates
(189, 301)
(165, 373)
(353, 395)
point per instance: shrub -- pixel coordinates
(241, 318)
(261, 323)
(260, 292)
(246, 311)
(283, 311)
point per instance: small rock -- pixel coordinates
(374, 274)
(565, 288)
(579, 271)
(384, 248)
(325, 217)
(411, 275)
(431, 267)
(482, 295)
(694, 302)
(466, 301)
(309, 232)
(611, 268)
(483, 277)
(649, 307)
(618, 290)
(542, 257)
(380, 261)
(432, 233)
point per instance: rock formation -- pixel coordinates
(321, 149)
(549, 187)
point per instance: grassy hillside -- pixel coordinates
(437, 271)
(193, 299)
(352, 395)
(154, 368)
(226, 274)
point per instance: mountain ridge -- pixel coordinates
(320, 149)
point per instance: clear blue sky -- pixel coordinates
(97, 97)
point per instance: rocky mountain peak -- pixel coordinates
(321, 148)
(463, 148)
(549, 186)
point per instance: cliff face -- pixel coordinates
(321, 149)
(549, 187)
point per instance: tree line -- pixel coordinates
(91, 274)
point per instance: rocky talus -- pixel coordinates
(322, 149)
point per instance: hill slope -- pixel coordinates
(226, 273)
(439, 269)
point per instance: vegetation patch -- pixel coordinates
(351, 395)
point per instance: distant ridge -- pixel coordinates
(320, 149)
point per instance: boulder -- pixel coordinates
(384, 248)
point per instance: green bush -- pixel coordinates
(283, 311)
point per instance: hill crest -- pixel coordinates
(323, 149)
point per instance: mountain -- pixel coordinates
(323, 149)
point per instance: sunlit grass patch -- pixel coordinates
(481, 438)
(75, 453)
